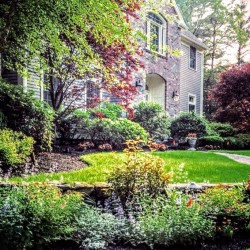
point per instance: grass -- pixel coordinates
(237, 152)
(199, 165)
(99, 167)
(206, 166)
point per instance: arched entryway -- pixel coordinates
(155, 89)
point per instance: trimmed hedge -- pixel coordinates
(215, 141)
(152, 118)
(188, 123)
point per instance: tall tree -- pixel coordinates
(70, 39)
(211, 22)
(232, 95)
(240, 21)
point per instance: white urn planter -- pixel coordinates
(192, 143)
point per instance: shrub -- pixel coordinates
(215, 141)
(123, 130)
(27, 114)
(245, 140)
(100, 130)
(188, 123)
(15, 147)
(173, 220)
(233, 143)
(227, 208)
(36, 215)
(140, 173)
(222, 129)
(223, 201)
(106, 110)
(152, 118)
(95, 230)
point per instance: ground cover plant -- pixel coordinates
(35, 215)
(200, 167)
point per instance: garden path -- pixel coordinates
(238, 158)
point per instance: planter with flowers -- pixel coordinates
(192, 139)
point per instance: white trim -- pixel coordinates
(162, 40)
(178, 12)
(42, 85)
(202, 84)
(192, 103)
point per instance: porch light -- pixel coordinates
(176, 96)
(138, 83)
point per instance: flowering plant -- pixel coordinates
(192, 136)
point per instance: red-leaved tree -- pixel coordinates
(232, 95)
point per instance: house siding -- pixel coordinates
(10, 76)
(190, 80)
(34, 82)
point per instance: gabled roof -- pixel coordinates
(179, 15)
(190, 38)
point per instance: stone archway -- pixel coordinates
(156, 89)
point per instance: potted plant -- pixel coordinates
(192, 138)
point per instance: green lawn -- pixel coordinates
(200, 166)
(238, 152)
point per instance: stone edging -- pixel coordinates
(103, 189)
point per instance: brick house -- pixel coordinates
(176, 83)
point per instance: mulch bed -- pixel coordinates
(49, 162)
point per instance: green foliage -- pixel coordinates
(140, 173)
(35, 215)
(211, 140)
(95, 230)
(227, 208)
(123, 130)
(222, 129)
(100, 130)
(15, 147)
(27, 114)
(152, 118)
(245, 140)
(222, 201)
(173, 220)
(188, 123)
(233, 143)
(107, 110)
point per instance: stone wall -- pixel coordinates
(168, 67)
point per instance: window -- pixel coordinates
(156, 33)
(46, 92)
(192, 60)
(191, 103)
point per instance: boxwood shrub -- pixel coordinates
(152, 118)
(188, 123)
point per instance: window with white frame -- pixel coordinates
(191, 103)
(156, 33)
(192, 59)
